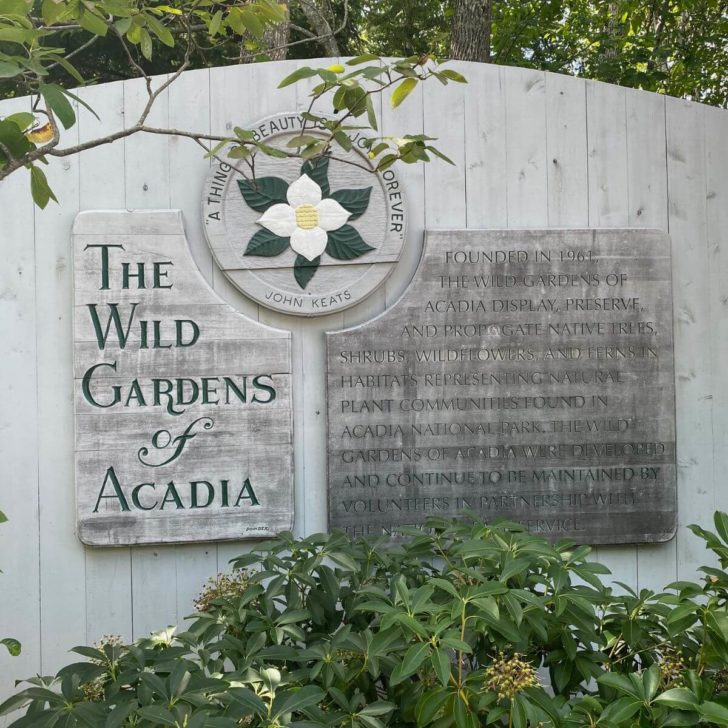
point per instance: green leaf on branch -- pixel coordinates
(411, 662)
(318, 170)
(93, 23)
(263, 192)
(678, 698)
(39, 187)
(403, 91)
(346, 244)
(57, 100)
(355, 201)
(3, 517)
(13, 646)
(714, 713)
(304, 270)
(266, 243)
(298, 75)
(451, 75)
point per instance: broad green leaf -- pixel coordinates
(266, 243)
(92, 23)
(721, 524)
(3, 517)
(304, 270)
(365, 58)
(453, 75)
(678, 698)
(714, 712)
(157, 715)
(262, 192)
(8, 69)
(249, 700)
(346, 244)
(411, 662)
(354, 201)
(620, 683)
(318, 170)
(297, 75)
(57, 100)
(297, 701)
(118, 715)
(160, 30)
(145, 43)
(403, 91)
(429, 705)
(380, 707)
(12, 645)
(39, 187)
(620, 710)
(441, 664)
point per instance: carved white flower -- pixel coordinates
(306, 218)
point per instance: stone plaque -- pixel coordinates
(305, 238)
(182, 405)
(525, 375)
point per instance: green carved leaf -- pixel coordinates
(354, 201)
(303, 270)
(264, 242)
(318, 170)
(263, 192)
(346, 244)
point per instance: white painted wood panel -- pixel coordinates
(623, 158)
(108, 571)
(19, 537)
(693, 332)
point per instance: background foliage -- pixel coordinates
(463, 625)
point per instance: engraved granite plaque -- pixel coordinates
(182, 405)
(525, 375)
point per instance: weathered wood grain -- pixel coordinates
(477, 389)
(202, 415)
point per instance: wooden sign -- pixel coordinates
(525, 375)
(182, 405)
(305, 238)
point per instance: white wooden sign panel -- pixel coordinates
(183, 406)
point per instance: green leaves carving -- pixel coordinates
(318, 171)
(304, 270)
(355, 201)
(263, 192)
(266, 243)
(346, 244)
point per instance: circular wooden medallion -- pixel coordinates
(305, 238)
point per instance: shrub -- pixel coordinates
(458, 626)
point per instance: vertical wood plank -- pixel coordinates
(147, 182)
(444, 119)
(485, 149)
(309, 375)
(566, 152)
(189, 110)
(716, 147)
(526, 175)
(407, 118)
(19, 537)
(691, 279)
(609, 207)
(108, 571)
(647, 203)
(62, 557)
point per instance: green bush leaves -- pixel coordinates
(445, 629)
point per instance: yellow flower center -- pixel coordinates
(306, 217)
